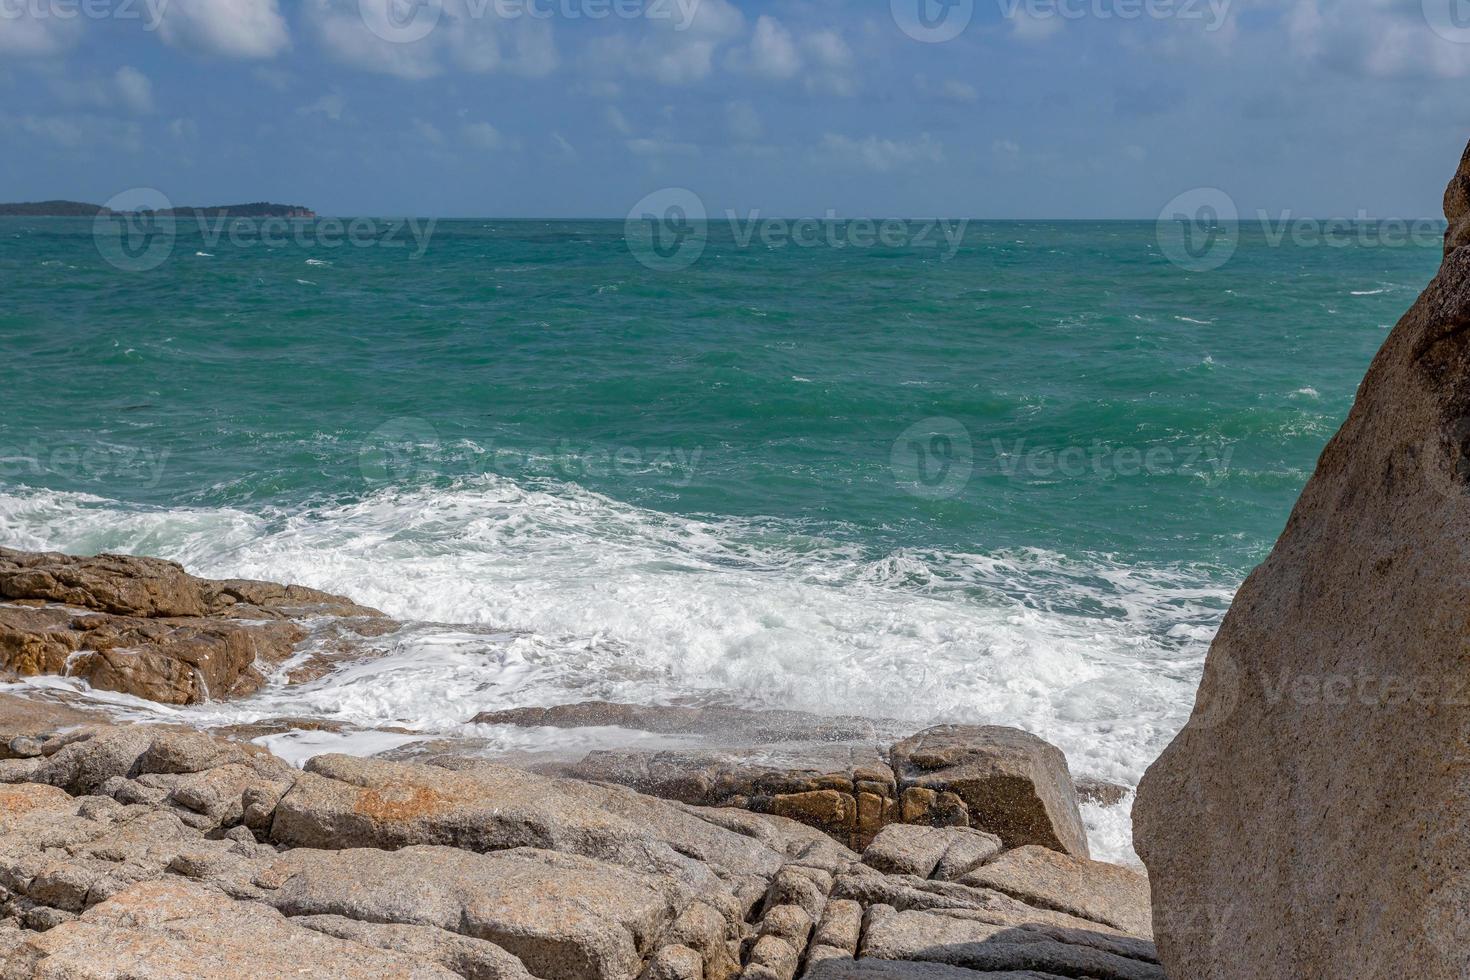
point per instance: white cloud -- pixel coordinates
(882, 155)
(1026, 26)
(1377, 38)
(562, 148)
(184, 130)
(744, 122)
(655, 48)
(661, 147)
(232, 28)
(330, 106)
(468, 35)
(482, 136)
(78, 132)
(134, 89)
(773, 50)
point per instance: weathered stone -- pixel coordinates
(730, 725)
(144, 627)
(1100, 792)
(904, 849)
(968, 850)
(564, 917)
(474, 959)
(1013, 784)
(1309, 821)
(939, 938)
(344, 802)
(1457, 207)
(774, 957)
(675, 963)
(1093, 890)
(165, 930)
(840, 927)
(850, 969)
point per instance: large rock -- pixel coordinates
(727, 725)
(1309, 821)
(342, 802)
(169, 929)
(1012, 784)
(1092, 890)
(146, 627)
(564, 917)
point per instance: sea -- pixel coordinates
(1011, 474)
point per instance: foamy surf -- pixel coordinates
(538, 594)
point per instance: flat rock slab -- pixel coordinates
(907, 849)
(724, 726)
(564, 917)
(976, 945)
(1012, 784)
(850, 969)
(165, 930)
(1105, 893)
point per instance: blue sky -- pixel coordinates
(1036, 108)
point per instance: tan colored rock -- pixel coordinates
(849, 969)
(145, 627)
(841, 927)
(474, 959)
(728, 725)
(167, 930)
(342, 802)
(1309, 821)
(905, 849)
(1105, 893)
(1013, 784)
(1090, 789)
(564, 917)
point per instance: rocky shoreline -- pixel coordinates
(778, 845)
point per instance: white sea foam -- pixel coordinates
(558, 594)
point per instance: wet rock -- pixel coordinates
(1013, 784)
(1099, 791)
(727, 725)
(145, 627)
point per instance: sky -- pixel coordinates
(849, 108)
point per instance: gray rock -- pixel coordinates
(842, 968)
(564, 917)
(1013, 784)
(1093, 890)
(474, 959)
(166, 930)
(940, 938)
(1309, 819)
(906, 849)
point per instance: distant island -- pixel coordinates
(76, 209)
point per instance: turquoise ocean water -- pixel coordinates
(1017, 485)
